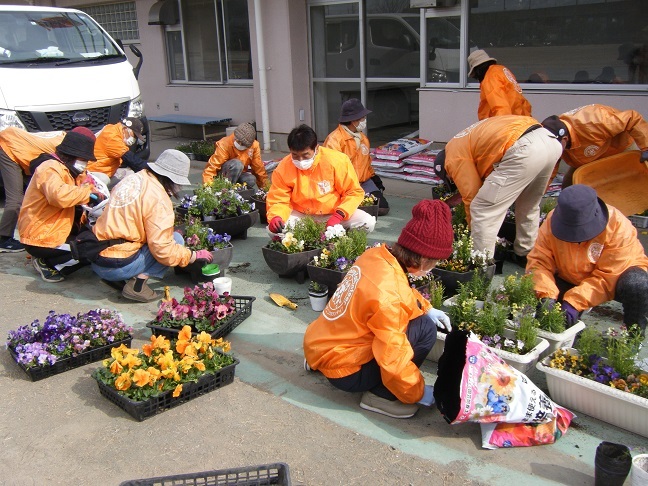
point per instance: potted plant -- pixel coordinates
(342, 248)
(369, 204)
(165, 373)
(463, 262)
(507, 230)
(318, 295)
(288, 254)
(502, 247)
(601, 378)
(200, 237)
(259, 200)
(63, 341)
(203, 309)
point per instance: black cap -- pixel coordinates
(440, 171)
(77, 145)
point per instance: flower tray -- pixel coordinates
(36, 373)
(524, 363)
(616, 407)
(639, 221)
(243, 310)
(277, 473)
(148, 408)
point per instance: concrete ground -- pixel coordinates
(62, 431)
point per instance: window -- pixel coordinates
(119, 19)
(596, 42)
(211, 44)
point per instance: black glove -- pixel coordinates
(378, 181)
(132, 161)
(644, 156)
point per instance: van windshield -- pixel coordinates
(38, 37)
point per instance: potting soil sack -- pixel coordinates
(401, 148)
(476, 385)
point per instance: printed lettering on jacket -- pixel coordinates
(324, 187)
(591, 150)
(594, 252)
(338, 304)
(126, 192)
(364, 150)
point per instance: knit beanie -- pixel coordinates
(429, 232)
(86, 132)
(245, 134)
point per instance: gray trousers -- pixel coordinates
(12, 177)
(233, 170)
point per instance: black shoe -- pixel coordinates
(519, 260)
(11, 245)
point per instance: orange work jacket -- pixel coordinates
(500, 94)
(330, 184)
(598, 131)
(22, 146)
(367, 318)
(109, 150)
(140, 211)
(471, 154)
(47, 212)
(250, 157)
(357, 149)
(592, 266)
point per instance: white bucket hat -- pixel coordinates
(475, 59)
(174, 165)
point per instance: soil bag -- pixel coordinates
(476, 385)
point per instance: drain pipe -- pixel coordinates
(263, 86)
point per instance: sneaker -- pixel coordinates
(395, 408)
(11, 245)
(307, 366)
(46, 272)
(118, 285)
(147, 294)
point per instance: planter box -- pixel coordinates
(372, 210)
(222, 257)
(36, 373)
(289, 264)
(277, 473)
(524, 363)
(236, 226)
(330, 278)
(148, 408)
(639, 221)
(507, 230)
(260, 206)
(451, 280)
(600, 401)
(243, 311)
(246, 194)
(556, 341)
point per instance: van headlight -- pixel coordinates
(136, 108)
(8, 118)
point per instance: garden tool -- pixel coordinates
(620, 180)
(281, 301)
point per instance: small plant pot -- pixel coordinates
(612, 464)
(371, 210)
(318, 300)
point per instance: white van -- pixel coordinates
(59, 69)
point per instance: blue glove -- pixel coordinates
(572, 316)
(643, 158)
(428, 396)
(440, 318)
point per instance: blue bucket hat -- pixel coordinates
(579, 215)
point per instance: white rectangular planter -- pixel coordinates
(524, 363)
(600, 401)
(564, 339)
(639, 221)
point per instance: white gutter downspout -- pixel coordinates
(263, 86)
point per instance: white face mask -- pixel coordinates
(80, 165)
(361, 126)
(306, 163)
(130, 141)
(239, 146)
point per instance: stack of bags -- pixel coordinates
(408, 159)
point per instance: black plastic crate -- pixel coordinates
(141, 410)
(277, 473)
(243, 310)
(36, 373)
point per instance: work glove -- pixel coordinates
(428, 396)
(440, 318)
(204, 255)
(96, 198)
(572, 316)
(336, 218)
(276, 224)
(644, 156)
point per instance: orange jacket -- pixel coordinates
(598, 131)
(500, 94)
(367, 318)
(140, 211)
(357, 149)
(330, 184)
(593, 266)
(250, 157)
(109, 150)
(470, 155)
(47, 212)
(22, 147)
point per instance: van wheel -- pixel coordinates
(391, 107)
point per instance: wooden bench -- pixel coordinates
(202, 121)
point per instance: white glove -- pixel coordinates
(440, 318)
(428, 396)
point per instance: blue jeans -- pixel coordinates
(144, 263)
(421, 333)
